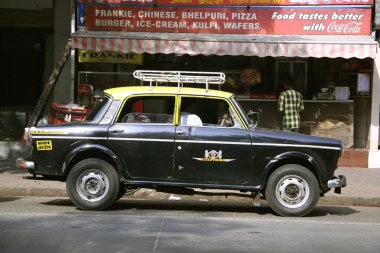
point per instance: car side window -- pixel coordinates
(207, 112)
(148, 109)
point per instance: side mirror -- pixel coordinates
(254, 116)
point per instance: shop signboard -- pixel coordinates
(224, 20)
(232, 2)
(109, 57)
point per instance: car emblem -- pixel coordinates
(213, 156)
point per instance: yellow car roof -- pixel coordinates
(123, 92)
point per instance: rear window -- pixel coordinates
(99, 109)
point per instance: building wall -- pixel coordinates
(26, 4)
(26, 46)
(64, 91)
(27, 29)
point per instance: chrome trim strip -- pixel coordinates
(295, 145)
(214, 142)
(141, 139)
(184, 141)
(181, 141)
(67, 137)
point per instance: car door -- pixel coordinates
(143, 136)
(212, 152)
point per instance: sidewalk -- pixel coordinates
(363, 188)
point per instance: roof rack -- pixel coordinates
(180, 77)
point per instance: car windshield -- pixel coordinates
(99, 109)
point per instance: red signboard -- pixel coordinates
(284, 21)
(233, 2)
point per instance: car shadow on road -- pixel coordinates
(58, 202)
(190, 205)
(167, 205)
(41, 178)
(332, 210)
(206, 206)
(8, 199)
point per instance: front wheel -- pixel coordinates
(93, 184)
(292, 190)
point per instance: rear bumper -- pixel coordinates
(21, 163)
(337, 183)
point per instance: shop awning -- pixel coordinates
(219, 44)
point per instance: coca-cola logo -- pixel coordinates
(346, 28)
(352, 1)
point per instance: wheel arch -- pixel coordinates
(298, 158)
(91, 151)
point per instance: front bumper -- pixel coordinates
(337, 183)
(21, 163)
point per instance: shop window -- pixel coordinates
(358, 83)
(297, 69)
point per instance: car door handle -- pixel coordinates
(117, 131)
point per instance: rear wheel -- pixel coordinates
(292, 190)
(93, 184)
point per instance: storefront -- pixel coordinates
(326, 47)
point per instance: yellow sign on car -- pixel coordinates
(44, 145)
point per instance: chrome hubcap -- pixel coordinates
(292, 191)
(92, 186)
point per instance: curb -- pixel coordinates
(33, 192)
(153, 195)
(350, 201)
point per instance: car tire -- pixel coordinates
(93, 184)
(292, 190)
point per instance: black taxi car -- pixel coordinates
(179, 140)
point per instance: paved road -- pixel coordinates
(36, 224)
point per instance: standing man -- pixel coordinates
(290, 103)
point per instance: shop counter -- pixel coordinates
(327, 118)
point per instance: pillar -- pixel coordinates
(374, 152)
